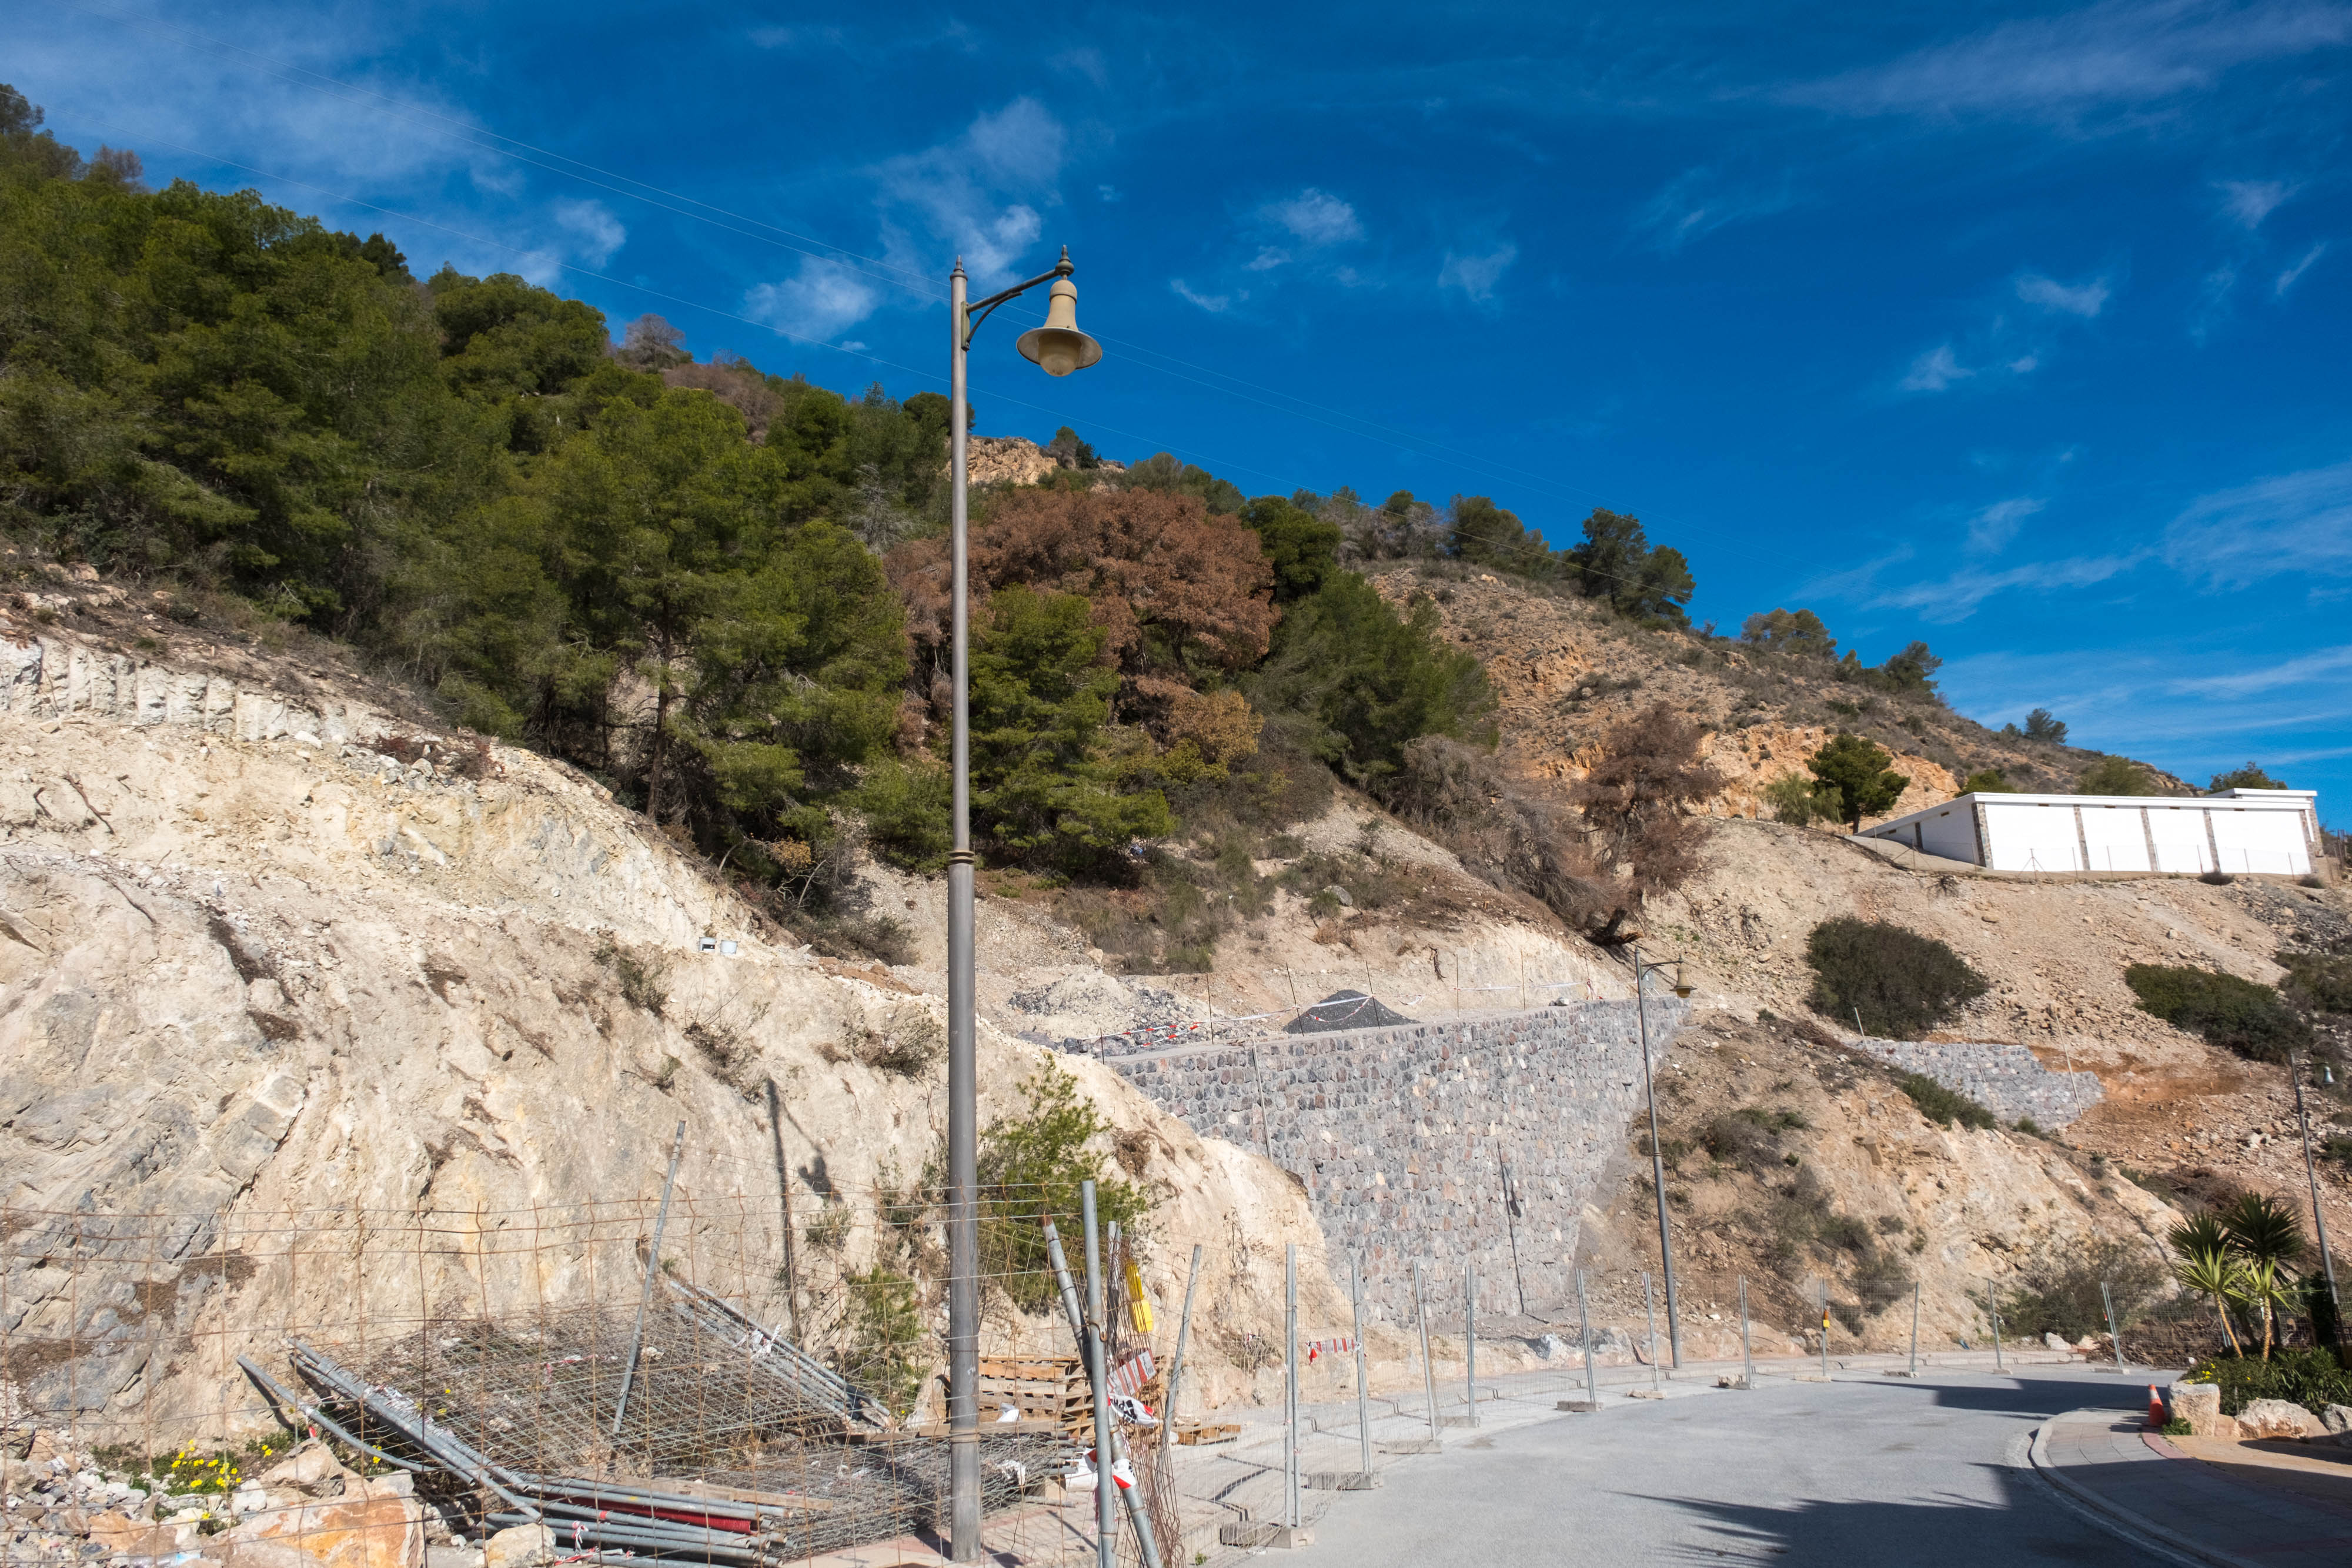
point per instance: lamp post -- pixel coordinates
(1642, 970)
(1058, 348)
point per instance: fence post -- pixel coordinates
(1428, 1372)
(1993, 1307)
(1290, 1379)
(1915, 1328)
(2115, 1333)
(1584, 1332)
(1176, 1368)
(1106, 1483)
(1363, 1396)
(1825, 1328)
(1650, 1311)
(1747, 1354)
(652, 1267)
(1470, 1338)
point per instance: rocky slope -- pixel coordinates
(269, 994)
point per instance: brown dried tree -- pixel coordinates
(1635, 797)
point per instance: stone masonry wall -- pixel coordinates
(1399, 1136)
(2007, 1080)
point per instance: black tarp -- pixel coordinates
(1343, 1009)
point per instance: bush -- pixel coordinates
(2311, 1378)
(1902, 983)
(1796, 800)
(2235, 1014)
(884, 1352)
(2117, 775)
(2059, 1290)
(1636, 798)
(2319, 982)
(1031, 1167)
(1988, 782)
(2250, 776)
(1944, 1107)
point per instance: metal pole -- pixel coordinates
(1993, 1307)
(1105, 1484)
(644, 1300)
(2318, 1218)
(1176, 1368)
(1363, 1395)
(1584, 1335)
(1747, 1354)
(1915, 1328)
(1470, 1339)
(1657, 1163)
(1137, 1517)
(963, 1075)
(1650, 1311)
(2114, 1332)
(1428, 1373)
(1825, 1329)
(784, 1201)
(1290, 1382)
(1511, 1219)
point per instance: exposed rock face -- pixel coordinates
(269, 1002)
(1017, 460)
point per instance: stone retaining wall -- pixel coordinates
(2007, 1080)
(1399, 1136)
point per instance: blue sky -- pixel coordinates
(2023, 331)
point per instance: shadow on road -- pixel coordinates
(2019, 1527)
(2030, 1396)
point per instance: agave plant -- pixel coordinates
(2267, 1237)
(2203, 1262)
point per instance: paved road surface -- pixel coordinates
(1932, 1473)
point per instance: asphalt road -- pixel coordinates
(1932, 1472)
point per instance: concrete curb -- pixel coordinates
(2122, 1521)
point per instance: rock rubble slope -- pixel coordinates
(259, 979)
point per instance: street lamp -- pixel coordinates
(1642, 970)
(1058, 348)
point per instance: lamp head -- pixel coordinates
(1682, 987)
(1058, 347)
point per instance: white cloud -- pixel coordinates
(1215, 304)
(2326, 662)
(2298, 524)
(600, 233)
(976, 192)
(1268, 257)
(1958, 596)
(823, 299)
(1695, 204)
(1934, 370)
(2118, 52)
(2286, 279)
(2083, 300)
(1316, 218)
(1477, 275)
(2252, 201)
(1990, 530)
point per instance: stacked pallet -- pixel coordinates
(1049, 1388)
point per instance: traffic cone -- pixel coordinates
(2155, 1412)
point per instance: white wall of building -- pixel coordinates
(2265, 831)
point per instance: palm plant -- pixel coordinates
(2203, 1262)
(2268, 1236)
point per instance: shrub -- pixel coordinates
(1031, 1167)
(2117, 775)
(643, 982)
(2311, 1378)
(2058, 1292)
(1944, 1107)
(1988, 782)
(1797, 801)
(884, 1352)
(2235, 1014)
(2319, 982)
(1635, 797)
(1854, 779)
(1506, 835)
(1901, 983)
(2250, 776)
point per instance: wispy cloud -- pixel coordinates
(2286, 279)
(823, 299)
(2083, 300)
(1991, 529)
(979, 192)
(2326, 662)
(1317, 217)
(1215, 304)
(2249, 202)
(2121, 52)
(1958, 596)
(1477, 275)
(1935, 370)
(1698, 201)
(2293, 523)
(599, 233)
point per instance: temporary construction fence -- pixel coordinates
(623, 1374)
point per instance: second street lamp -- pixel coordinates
(1642, 970)
(1058, 348)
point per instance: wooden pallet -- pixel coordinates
(1194, 1433)
(1051, 1388)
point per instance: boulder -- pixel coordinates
(2278, 1419)
(231, 1553)
(136, 1538)
(2337, 1419)
(524, 1546)
(312, 1469)
(2199, 1405)
(373, 1524)
(2058, 1343)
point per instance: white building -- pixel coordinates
(2252, 832)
